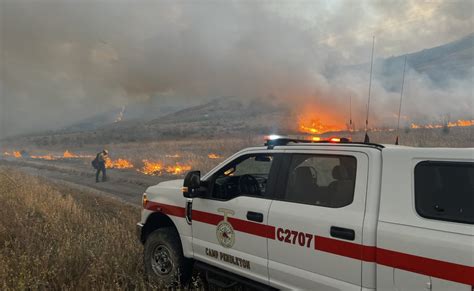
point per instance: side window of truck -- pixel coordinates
(445, 191)
(245, 176)
(323, 180)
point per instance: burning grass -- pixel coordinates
(178, 169)
(118, 164)
(45, 157)
(15, 154)
(214, 156)
(458, 123)
(158, 168)
(314, 120)
(174, 158)
(57, 238)
(317, 127)
(67, 154)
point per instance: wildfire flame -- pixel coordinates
(151, 168)
(458, 123)
(15, 154)
(214, 156)
(68, 154)
(317, 127)
(177, 169)
(45, 157)
(315, 120)
(118, 164)
(158, 168)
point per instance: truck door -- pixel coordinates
(229, 225)
(318, 215)
(425, 233)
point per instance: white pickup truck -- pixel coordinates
(318, 216)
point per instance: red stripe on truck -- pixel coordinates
(249, 227)
(430, 267)
(344, 248)
(398, 260)
(165, 208)
(421, 265)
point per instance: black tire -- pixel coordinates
(165, 264)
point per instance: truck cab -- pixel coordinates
(327, 215)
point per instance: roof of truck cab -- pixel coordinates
(384, 148)
(395, 152)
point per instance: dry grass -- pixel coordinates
(191, 152)
(455, 137)
(57, 238)
(194, 152)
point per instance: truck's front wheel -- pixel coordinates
(164, 260)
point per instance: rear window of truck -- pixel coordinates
(322, 180)
(445, 191)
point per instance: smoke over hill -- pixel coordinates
(63, 61)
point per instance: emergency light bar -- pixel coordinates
(278, 140)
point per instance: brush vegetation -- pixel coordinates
(52, 237)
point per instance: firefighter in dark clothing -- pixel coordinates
(101, 158)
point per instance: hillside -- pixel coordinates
(441, 64)
(225, 115)
(157, 119)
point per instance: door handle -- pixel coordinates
(343, 233)
(255, 216)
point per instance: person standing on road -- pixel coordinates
(101, 159)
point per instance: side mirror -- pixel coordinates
(191, 185)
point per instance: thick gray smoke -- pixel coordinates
(62, 61)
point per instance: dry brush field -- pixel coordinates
(196, 153)
(53, 237)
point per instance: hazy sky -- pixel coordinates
(62, 61)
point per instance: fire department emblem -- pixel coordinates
(225, 232)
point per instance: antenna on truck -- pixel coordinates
(401, 98)
(366, 138)
(350, 116)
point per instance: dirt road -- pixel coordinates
(126, 185)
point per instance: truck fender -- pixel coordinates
(155, 221)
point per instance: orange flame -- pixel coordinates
(17, 154)
(158, 168)
(118, 164)
(316, 120)
(458, 123)
(45, 157)
(68, 154)
(214, 156)
(151, 168)
(177, 169)
(315, 126)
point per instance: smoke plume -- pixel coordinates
(63, 61)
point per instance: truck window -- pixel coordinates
(445, 191)
(323, 180)
(245, 176)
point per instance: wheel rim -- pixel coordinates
(161, 262)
